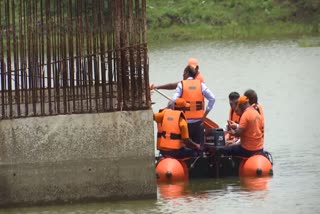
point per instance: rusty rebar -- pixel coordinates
(70, 56)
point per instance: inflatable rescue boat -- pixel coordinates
(212, 163)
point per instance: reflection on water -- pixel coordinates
(201, 187)
(205, 195)
(180, 197)
(253, 184)
(286, 78)
(173, 190)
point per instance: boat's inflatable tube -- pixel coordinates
(255, 166)
(170, 169)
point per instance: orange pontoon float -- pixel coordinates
(171, 169)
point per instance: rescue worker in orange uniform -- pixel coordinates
(194, 91)
(159, 127)
(249, 129)
(171, 86)
(233, 116)
(174, 139)
(233, 100)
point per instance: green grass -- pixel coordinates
(309, 42)
(234, 31)
(183, 20)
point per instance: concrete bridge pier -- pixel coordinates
(74, 158)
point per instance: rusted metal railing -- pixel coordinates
(72, 56)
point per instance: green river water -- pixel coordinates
(286, 78)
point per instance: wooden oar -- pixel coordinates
(208, 124)
(163, 94)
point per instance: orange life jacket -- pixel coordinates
(159, 127)
(171, 134)
(192, 93)
(233, 116)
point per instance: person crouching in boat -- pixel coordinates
(250, 131)
(233, 116)
(174, 140)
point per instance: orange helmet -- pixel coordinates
(193, 62)
(243, 99)
(181, 103)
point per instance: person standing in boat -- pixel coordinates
(233, 116)
(194, 91)
(249, 129)
(174, 140)
(193, 62)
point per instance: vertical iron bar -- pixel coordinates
(132, 51)
(124, 61)
(16, 62)
(110, 34)
(117, 45)
(78, 37)
(102, 55)
(8, 37)
(83, 65)
(145, 56)
(42, 44)
(95, 60)
(2, 64)
(63, 56)
(89, 54)
(42, 65)
(57, 56)
(33, 56)
(138, 59)
(24, 57)
(55, 74)
(48, 52)
(71, 56)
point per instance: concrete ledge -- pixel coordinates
(70, 158)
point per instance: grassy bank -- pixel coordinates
(180, 20)
(206, 32)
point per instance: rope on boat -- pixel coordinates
(194, 162)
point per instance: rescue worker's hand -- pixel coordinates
(189, 143)
(202, 122)
(230, 142)
(197, 146)
(232, 132)
(152, 86)
(232, 124)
